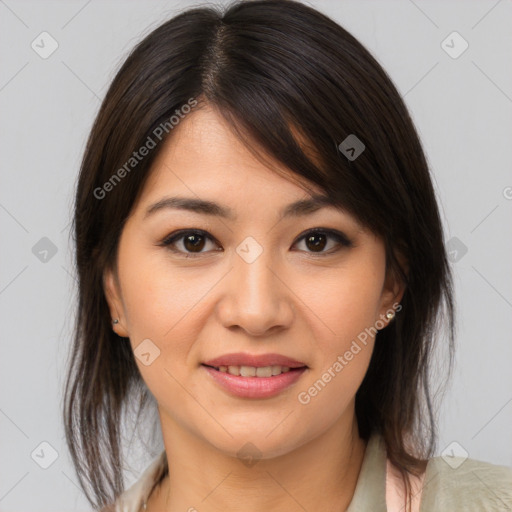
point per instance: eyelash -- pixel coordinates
(339, 237)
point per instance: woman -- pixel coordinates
(260, 256)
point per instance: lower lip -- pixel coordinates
(255, 387)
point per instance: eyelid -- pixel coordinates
(179, 234)
(339, 236)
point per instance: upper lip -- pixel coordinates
(241, 359)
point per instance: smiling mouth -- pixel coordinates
(253, 371)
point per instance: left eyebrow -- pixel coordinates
(307, 206)
(295, 209)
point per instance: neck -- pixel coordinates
(321, 474)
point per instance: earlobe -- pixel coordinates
(112, 296)
(394, 289)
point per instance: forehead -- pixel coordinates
(204, 158)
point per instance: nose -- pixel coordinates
(257, 298)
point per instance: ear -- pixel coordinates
(115, 304)
(393, 289)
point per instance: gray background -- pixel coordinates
(461, 106)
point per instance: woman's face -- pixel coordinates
(251, 282)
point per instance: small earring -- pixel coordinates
(390, 315)
(116, 321)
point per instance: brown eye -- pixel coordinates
(193, 242)
(189, 242)
(316, 242)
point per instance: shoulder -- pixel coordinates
(455, 483)
(132, 499)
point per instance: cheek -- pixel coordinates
(346, 303)
(161, 310)
(159, 306)
(159, 299)
(342, 320)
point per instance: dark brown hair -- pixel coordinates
(293, 85)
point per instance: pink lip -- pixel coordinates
(255, 387)
(241, 359)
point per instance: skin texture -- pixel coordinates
(291, 300)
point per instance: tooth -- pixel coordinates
(252, 371)
(247, 371)
(276, 370)
(234, 370)
(264, 371)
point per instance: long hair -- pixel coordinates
(293, 85)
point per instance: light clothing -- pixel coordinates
(472, 486)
